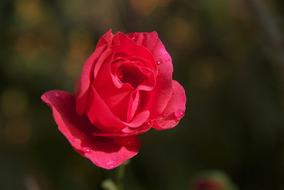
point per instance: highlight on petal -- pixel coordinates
(105, 152)
(174, 110)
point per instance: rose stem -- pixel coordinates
(120, 175)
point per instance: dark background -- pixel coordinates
(228, 54)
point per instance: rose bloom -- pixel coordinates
(125, 89)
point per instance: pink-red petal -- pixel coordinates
(100, 115)
(174, 110)
(90, 68)
(162, 93)
(86, 79)
(105, 152)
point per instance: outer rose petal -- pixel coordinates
(162, 92)
(85, 80)
(90, 67)
(105, 39)
(174, 111)
(101, 115)
(105, 152)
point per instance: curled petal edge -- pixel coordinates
(174, 110)
(104, 152)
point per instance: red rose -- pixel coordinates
(125, 89)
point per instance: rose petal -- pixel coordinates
(104, 152)
(86, 79)
(125, 132)
(115, 98)
(162, 92)
(123, 45)
(174, 110)
(108, 85)
(133, 104)
(100, 115)
(90, 67)
(131, 72)
(105, 39)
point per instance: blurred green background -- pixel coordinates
(227, 53)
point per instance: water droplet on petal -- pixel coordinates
(87, 150)
(109, 163)
(159, 62)
(148, 124)
(179, 114)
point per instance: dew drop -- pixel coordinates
(148, 124)
(87, 150)
(159, 62)
(110, 163)
(179, 114)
